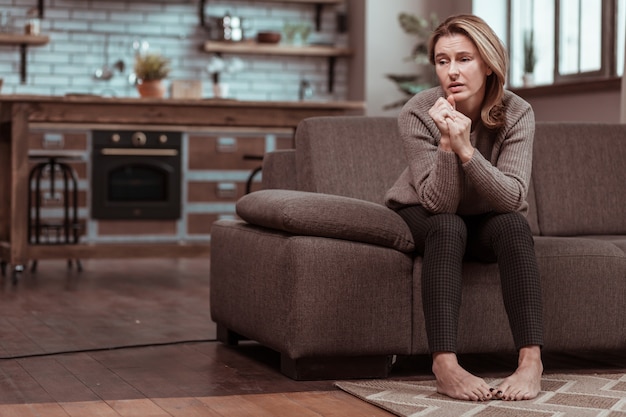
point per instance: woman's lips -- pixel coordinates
(455, 88)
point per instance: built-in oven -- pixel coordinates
(136, 174)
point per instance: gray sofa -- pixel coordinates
(321, 271)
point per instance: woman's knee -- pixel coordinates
(447, 226)
(510, 224)
(510, 233)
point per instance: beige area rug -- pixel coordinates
(562, 395)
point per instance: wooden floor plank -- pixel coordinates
(109, 304)
(317, 403)
(89, 408)
(18, 387)
(185, 407)
(152, 371)
(13, 340)
(98, 378)
(33, 410)
(336, 404)
(281, 405)
(57, 381)
(138, 408)
(234, 406)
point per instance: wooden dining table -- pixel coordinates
(20, 113)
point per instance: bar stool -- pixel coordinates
(254, 172)
(43, 231)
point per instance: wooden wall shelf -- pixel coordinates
(23, 41)
(319, 4)
(248, 48)
(254, 48)
(251, 48)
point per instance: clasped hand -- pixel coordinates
(455, 128)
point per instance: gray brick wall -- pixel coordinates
(80, 29)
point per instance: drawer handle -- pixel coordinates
(227, 190)
(138, 152)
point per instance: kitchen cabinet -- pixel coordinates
(240, 123)
(23, 41)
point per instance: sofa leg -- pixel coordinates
(227, 336)
(335, 367)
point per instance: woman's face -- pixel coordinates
(461, 71)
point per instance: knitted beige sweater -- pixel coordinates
(495, 179)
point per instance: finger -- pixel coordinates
(452, 101)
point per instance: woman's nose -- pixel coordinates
(453, 70)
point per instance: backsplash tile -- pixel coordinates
(79, 31)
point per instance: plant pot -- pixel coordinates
(151, 88)
(220, 90)
(528, 79)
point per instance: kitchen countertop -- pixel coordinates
(84, 108)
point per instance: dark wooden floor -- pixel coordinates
(134, 338)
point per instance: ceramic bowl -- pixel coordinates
(268, 37)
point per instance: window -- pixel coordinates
(573, 39)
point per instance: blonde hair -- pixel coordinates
(492, 52)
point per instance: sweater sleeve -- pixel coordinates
(435, 174)
(503, 177)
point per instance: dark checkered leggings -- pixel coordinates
(444, 240)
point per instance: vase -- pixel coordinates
(528, 79)
(220, 90)
(151, 88)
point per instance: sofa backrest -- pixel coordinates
(578, 183)
(579, 178)
(351, 156)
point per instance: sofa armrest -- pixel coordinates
(279, 169)
(325, 215)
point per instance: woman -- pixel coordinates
(468, 144)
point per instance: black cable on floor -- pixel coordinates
(103, 349)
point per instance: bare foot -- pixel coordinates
(456, 382)
(525, 383)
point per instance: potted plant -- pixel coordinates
(150, 69)
(530, 58)
(411, 84)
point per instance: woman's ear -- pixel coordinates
(489, 72)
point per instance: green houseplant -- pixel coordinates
(150, 69)
(530, 57)
(411, 84)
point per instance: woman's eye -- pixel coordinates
(442, 62)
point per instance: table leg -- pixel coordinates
(5, 188)
(19, 187)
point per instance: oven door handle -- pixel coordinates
(138, 152)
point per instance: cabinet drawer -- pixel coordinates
(57, 140)
(214, 191)
(224, 152)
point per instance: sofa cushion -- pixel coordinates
(532, 210)
(579, 176)
(617, 240)
(353, 156)
(583, 285)
(325, 215)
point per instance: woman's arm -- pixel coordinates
(434, 172)
(503, 177)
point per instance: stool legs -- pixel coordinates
(67, 232)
